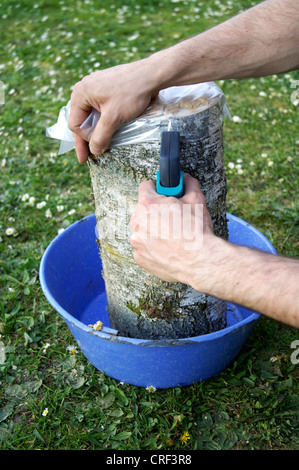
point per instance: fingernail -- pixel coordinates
(95, 150)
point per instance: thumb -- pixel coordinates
(192, 191)
(103, 132)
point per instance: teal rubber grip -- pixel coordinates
(174, 191)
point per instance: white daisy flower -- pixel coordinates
(72, 349)
(48, 214)
(47, 345)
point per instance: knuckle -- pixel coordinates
(201, 199)
(71, 126)
(134, 243)
(139, 260)
(132, 222)
(113, 117)
(76, 88)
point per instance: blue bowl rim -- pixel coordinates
(108, 334)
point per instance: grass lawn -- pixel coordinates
(50, 396)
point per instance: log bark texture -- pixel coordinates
(140, 305)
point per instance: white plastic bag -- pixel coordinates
(204, 103)
(60, 130)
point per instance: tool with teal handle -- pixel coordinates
(170, 176)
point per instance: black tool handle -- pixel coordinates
(170, 159)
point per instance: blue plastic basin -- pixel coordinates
(70, 277)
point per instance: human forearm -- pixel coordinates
(260, 281)
(266, 283)
(260, 41)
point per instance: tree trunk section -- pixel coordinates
(139, 304)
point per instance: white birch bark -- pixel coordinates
(140, 305)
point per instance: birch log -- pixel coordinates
(139, 304)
